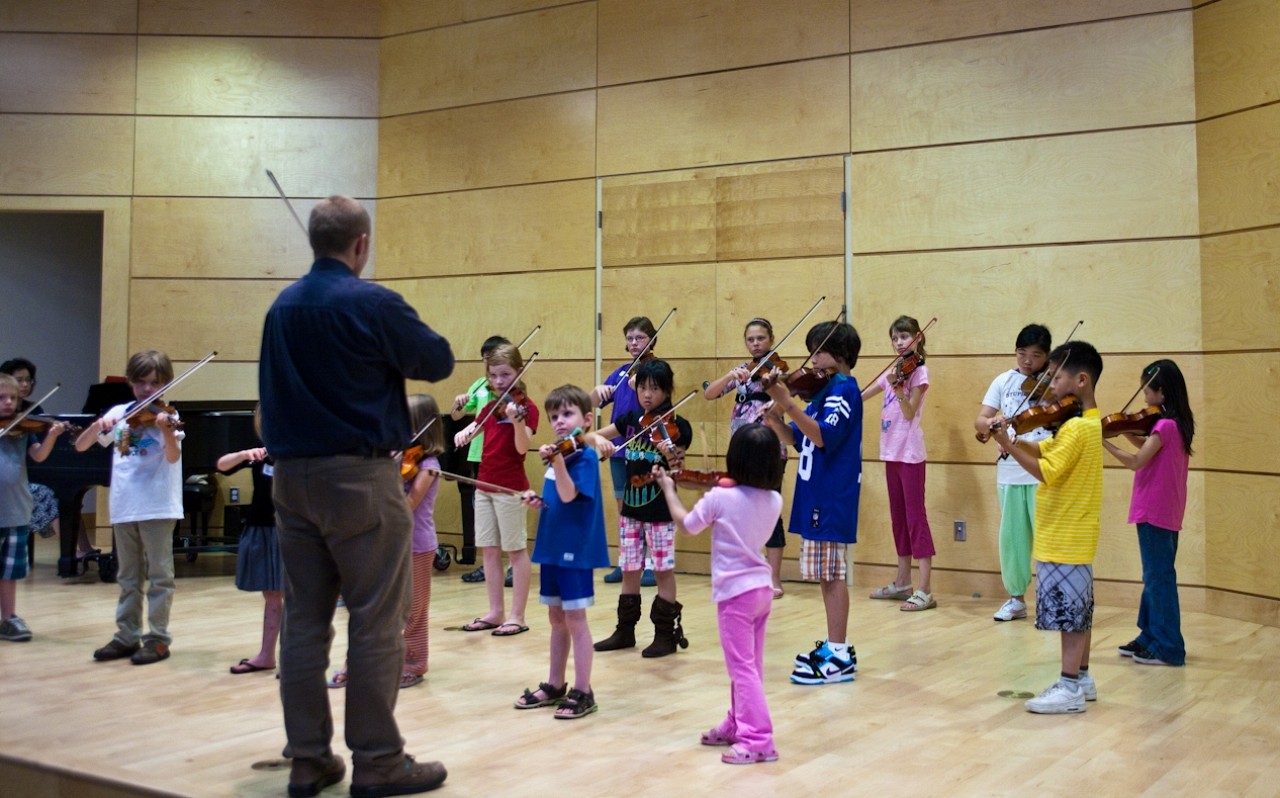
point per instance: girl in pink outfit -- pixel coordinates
(741, 514)
(902, 450)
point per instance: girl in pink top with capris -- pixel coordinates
(741, 513)
(1159, 500)
(902, 451)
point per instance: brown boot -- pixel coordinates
(667, 631)
(307, 777)
(628, 616)
(399, 777)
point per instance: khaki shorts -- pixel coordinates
(501, 521)
(823, 561)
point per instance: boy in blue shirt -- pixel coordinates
(569, 545)
(824, 510)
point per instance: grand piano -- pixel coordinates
(213, 428)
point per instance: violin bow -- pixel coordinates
(288, 204)
(526, 339)
(18, 418)
(659, 420)
(106, 440)
(1141, 388)
(830, 333)
(774, 351)
(653, 339)
(469, 481)
(915, 340)
(494, 404)
(1046, 375)
(424, 429)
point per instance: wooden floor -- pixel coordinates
(929, 714)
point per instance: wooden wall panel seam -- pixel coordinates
(1029, 137)
(1235, 111)
(469, 21)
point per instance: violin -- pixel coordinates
(517, 395)
(1139, 423)
(666, 431)
(148, 415)
(903, 367)
(33, 423)
(689, 478)
(567, 446)
(805, 381)
(1047, 416)
(771, 361)
(409, 461)
(1036, 387)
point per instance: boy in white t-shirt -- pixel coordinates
(1016, 488)
(146, 500)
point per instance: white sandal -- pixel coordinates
(891, 592)
(918, 601)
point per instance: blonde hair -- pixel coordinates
(146, 362)
(423, 408)
(8, 381)
(504, 355)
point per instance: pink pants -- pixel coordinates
(416, 639)
(742, 623)
(911, 533)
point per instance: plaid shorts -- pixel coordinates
(659, 537)
(823, 560)
(13, 552)
(1064, 597)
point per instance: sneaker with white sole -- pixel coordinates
(1129, 649)
(1144, 656)
(1012, 610)
(1088, 686)
(1058, 698)
(15, 630)
(824, 667)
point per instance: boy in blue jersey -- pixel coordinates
(824, 510)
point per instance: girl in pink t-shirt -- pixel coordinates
(902, 451)
(1159, 500)
(741, 514)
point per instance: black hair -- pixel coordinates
(1074, 357)
(1177, 405)
(566, 396)
(491, 343)
(1034, 335)
(656, 372)
(753, 459)
(843, 344)
(17, 364)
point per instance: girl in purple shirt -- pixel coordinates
(1159, 501)
(741, 514)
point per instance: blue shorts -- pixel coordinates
(566, 588)
(618, 471)
(13, 552)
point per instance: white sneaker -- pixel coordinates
(1089, 687)
(1011, 610)
(1057, 699)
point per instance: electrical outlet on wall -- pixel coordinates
(235, 495)
(960, 532)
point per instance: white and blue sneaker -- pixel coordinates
(1058, 698)
(822, 666)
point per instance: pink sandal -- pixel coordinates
(741, 756)
(716, 737)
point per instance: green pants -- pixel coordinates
(1017, 532)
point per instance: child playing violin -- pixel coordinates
(616, 389)
(903, 453)
(508, 424)
(1015, 488)
(570, 544)
(738, 513)
(1159, 500)
(16, 506)
(750, 400)
(824, 510)
(467, 404)
(1068, 516)
(146, 501)
(645, 522)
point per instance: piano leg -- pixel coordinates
(69, 513)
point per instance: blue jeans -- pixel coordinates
(1159, 617)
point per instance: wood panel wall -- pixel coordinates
(1106, 160)
(1237, 71)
